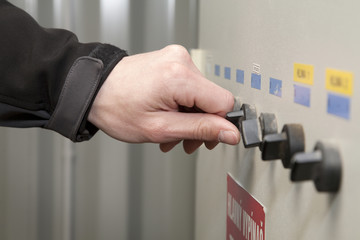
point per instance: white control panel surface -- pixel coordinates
(299, 60)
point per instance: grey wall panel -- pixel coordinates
(168, 194)
(19, 204)
(3, 181)
(51, 188)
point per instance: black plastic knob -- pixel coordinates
(251, 133)
(323, 166)
(235, 117)
(284, 145)
(244, 113)
(249, 127)
(268, 125)
(252, 129)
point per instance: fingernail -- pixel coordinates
(228, 137)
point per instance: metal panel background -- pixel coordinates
(276, 34)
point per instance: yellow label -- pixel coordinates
(339, 81)
(304, 73)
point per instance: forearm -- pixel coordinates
(49, 79)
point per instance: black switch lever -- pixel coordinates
(323, 165)
(235, 117)
(254, 130)
(249, 127)
(238, 116)
(246, 116)
(284, 145)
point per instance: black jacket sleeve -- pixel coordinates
(47, 78)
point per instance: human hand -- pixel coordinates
(162, 97)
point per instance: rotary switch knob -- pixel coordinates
(252, 128)
(323, 166)
(284, 145)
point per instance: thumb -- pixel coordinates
(200, 126)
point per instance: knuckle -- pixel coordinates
(179, 52)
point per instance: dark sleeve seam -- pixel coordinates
(88, 101)
(76, 95)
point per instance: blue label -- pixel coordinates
(240, 76)
(217, 70)
(302, 95)
(338, 106)
(227, 73)
(256, 81)
(275, 87)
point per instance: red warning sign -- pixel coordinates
(245, 215)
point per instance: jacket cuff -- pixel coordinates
(81, 86)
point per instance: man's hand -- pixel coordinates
(162, 97)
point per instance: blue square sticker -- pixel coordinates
(338, 105)
(302, 95)
(256, 81)
(217, 70)
(227, 73)
(275, 87)
(240, 76)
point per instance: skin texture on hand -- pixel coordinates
(161, 97)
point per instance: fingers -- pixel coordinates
(191, 145)
(176, 126)
(211, 145)
(165, 147)
(189, 87)
(203, 94)
(196, 92)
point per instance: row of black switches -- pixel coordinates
(323, 165)
(252, 128)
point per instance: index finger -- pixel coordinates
(204, 94)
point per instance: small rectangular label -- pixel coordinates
(275, 87)
(245, 215)
(217, 70)
(256, 68)
(227, 73)
(304, 73)
(339, 81)
(240, 76)
(256, 81)
(338, 106)
(302, 95)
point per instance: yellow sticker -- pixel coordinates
(304, 73)
(339, 81)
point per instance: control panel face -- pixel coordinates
(294, 69)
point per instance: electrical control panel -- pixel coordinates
(294, 69)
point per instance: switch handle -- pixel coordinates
(305, 166)
(284, 145)
(323, 166)
(234, 117)
(272, 146)
(250, 132)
